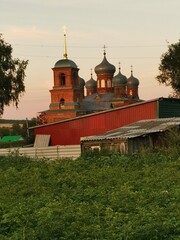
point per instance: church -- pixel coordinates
(68, 98)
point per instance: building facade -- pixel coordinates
(132, 138)
(70, 131)
(106, 92)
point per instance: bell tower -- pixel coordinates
(67, 91)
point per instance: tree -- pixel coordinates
(170, 68)
(12, 75)
(16, 129)
(4, 131)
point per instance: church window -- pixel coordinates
(102, 83)
(98, 84)
(62, 79)
(61, 102)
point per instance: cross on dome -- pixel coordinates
(91, 72)
(119, 66)
(104, 49)
(131, 69)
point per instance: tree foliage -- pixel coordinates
(18, 127)
(170, 68)
(105, 197)
(12, 75)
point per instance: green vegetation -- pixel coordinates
(100, 196)
(12, 76)
(14, 128)
(169, 68)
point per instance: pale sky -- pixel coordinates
(135, 32)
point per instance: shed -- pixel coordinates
(69, 132)
(133, 137)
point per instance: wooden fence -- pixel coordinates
(52, 152)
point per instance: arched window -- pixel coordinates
(98, 84)
(62, 79)
(102, 83)
(61, 102)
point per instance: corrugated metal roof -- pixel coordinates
(137, 129)
(97, 113)
(11, 138)
(102, 112)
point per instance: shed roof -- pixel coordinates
(109, 110)
(11, 138)
(137, 129)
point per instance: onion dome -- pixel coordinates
(81, 82)
(119, 79)
(132, 81)
(63, 63)
(91, 84)
(105, 67)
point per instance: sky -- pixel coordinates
(135, 32)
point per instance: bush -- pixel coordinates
(98, 197)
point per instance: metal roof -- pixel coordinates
(97, 102)
(137, 129)
(109, 110)
(63, 63)
(11, 138)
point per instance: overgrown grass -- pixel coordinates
(98, 196)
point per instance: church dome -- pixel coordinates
(105, 67)
(132, 81)
(91, 84)
(63, 63)
(119, 79)
(81, 82)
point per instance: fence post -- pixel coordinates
(36, 153)
(58, 148)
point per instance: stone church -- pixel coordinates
(68, 98)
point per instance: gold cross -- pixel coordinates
(119, 65)
(91, 72)
(104, 49)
